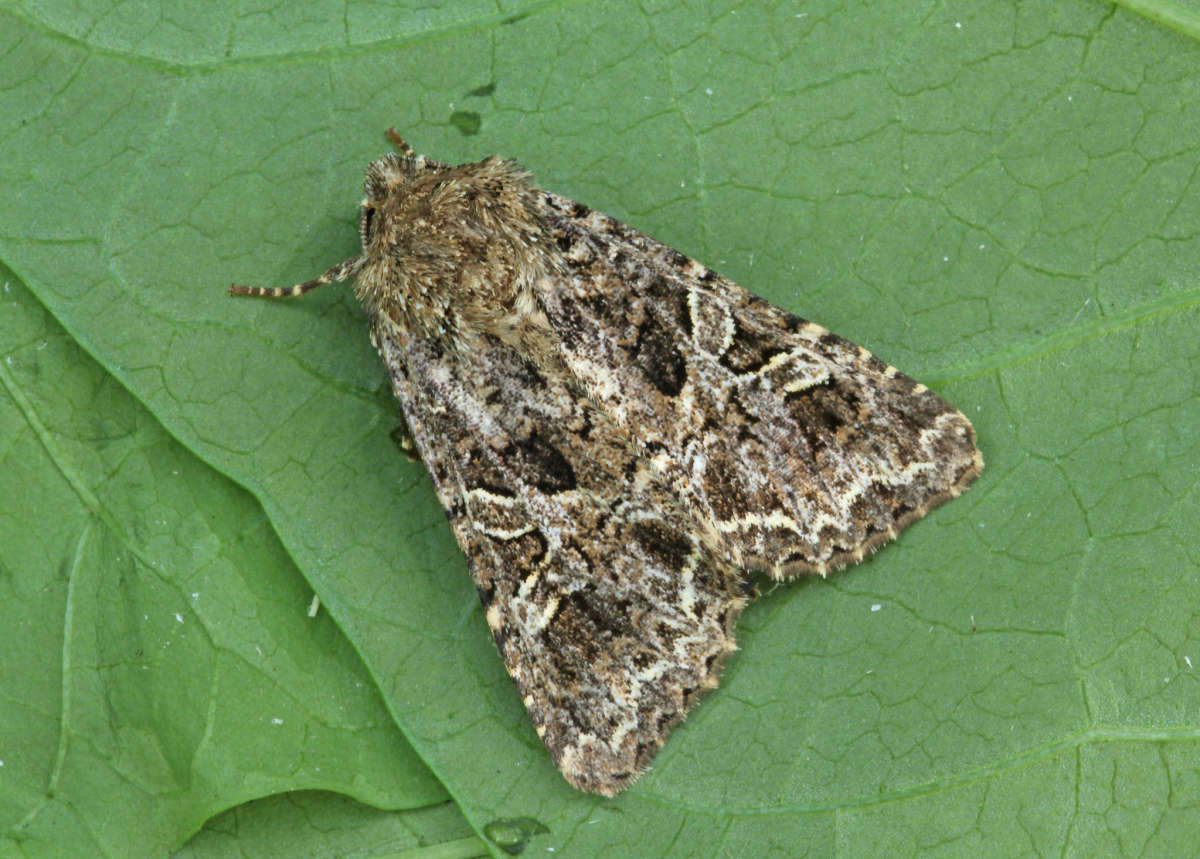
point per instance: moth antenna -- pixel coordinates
(342, 271)
(400, 142)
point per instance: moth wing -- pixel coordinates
(611, 618)
(794, 449)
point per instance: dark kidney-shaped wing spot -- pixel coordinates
(549, 469)
(668, 299)
(656, 355)
(664, 544)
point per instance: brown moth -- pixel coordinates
(618, 435)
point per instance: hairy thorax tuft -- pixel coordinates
(447, 250)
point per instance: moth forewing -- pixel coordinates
(618, 434)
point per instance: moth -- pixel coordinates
(619, 435)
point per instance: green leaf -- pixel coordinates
(152, 674)
(311, 822)
(153, 677)
(998, 199)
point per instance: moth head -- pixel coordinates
(385, 186)
(448, 247)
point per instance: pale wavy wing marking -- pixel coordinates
(610, 618)
(794, 449)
